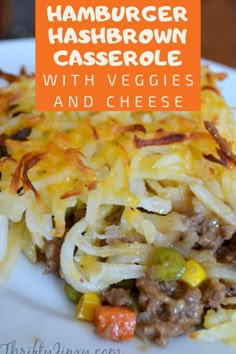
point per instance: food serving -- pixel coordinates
(135, 211)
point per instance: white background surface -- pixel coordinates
(35, 316)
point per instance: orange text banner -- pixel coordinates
(141, 56)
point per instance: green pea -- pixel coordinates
(166, 264)
(72, 294)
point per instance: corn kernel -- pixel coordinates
(194, 274)
(86, 306)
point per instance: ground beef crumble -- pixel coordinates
(170, 308)
(211, 233)
(52, 256)
(166, 310)
(213, 292)
(227, 252)
(117, 297)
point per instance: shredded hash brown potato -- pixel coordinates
(220, 324)
(95, 195)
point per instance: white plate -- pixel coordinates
(35, 317)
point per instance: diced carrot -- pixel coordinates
(115, 323)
